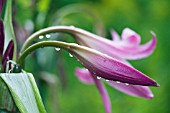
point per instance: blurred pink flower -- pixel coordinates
(126, 48)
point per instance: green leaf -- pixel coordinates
(6, 101)
(24, 92)
(9, 32)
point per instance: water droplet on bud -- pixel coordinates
(70, 55)
(118, 82)
(48, 35)
(107, 80)
(98, 77)
(126, 84)
(57, 49)
(41, 37)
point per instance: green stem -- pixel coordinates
(46, 31)
(65, 29)
(42, 44)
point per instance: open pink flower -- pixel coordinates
(126, 48)
(130, 48)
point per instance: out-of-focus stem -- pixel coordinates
(41, 45)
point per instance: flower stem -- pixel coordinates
(64, 29)
(42, 32)
(41, 45)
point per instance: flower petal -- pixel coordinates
(104, 94)
(84, 75)
(134, 90)
(130, 37)
(138, 52)
(8, 55)
(1, 38)
(129, 48)
(109, 68)
(115, 36)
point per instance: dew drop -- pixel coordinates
(41, 37)
(107, 80)
(98, 77)
(126, 84)
(86, 69)
(48, 35)
(72, 26)
(57, 49)
(118, 82)
(70, 55)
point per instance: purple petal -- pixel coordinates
(115, 36)
(134, 90)
(1, 38)
(138, 52)
(104, 94)
(119, 49)
(130, 37)
(109, 68)
(8, 55)
(84, 75)
(1, 5)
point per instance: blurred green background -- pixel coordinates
(61, 91)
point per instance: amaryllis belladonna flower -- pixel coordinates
(110, 63)
(130, 41)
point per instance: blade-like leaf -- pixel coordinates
(6, 101)
(9, 33)
(24, 92)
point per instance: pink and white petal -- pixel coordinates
(109, 68)
(130, 37)
(142, 51)
(133, 90)
(104, 94)
(84, 75)
(115, 49)
(122, 51)
(115, 36)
